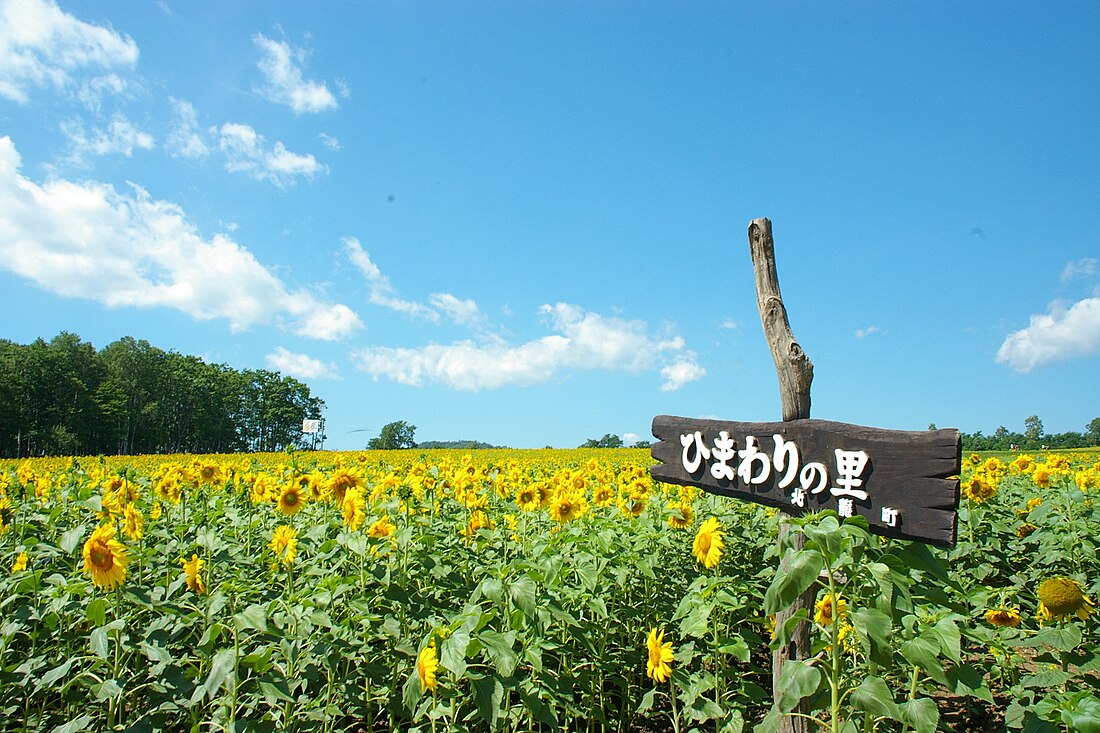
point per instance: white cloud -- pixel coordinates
(300, 366)
(462, 312)
(120, 138)
(280, 65)
(729, 325)
(246, 152)
(581, 341)
(185, 139)
(1084, 267)
(330, 142)
(679, 373)
(863, 332)
(87, 240)
(43, 46)
(631, 438)
(381, 291)
(1057, 335)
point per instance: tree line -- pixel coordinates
(1033, 437)
(62, 397)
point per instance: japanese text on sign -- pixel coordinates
(782, 467)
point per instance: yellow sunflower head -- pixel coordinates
(427, 667)
(827, 610)
(1060, 598)
(1005, 617)
(105, 558)
(660, 655)
(708, 544)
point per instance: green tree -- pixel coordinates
(607, 441)
(1033, 429)
(1092, 431)
(394, 436)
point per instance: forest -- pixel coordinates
(63, 397)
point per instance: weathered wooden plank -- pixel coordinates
(907, 487)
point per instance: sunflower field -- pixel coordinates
(511, 590)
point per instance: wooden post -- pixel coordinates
(795, 374)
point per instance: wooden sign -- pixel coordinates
(905, 483)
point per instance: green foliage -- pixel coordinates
(62, 397)
(394, 436)
(607, 441)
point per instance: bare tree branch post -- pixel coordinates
(795, 374)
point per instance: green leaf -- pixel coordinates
(803, 568)
(220, 669)
(1083, 716)
(97, 612)
(523, 592)
(106, 690)
(874, 627)
(56, 673)
(488, 694)
(499, 649)
(873, 696)
(252, 618)
(452, 652)
(922, 714)
(412, 691)
(797, 680)
(154, 653)
(947, 636)
(71, 539)
(647, 701)
(962, 679)
(275, 690)
(924, 653)
(74, 725)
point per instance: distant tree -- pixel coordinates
(394, 436)
(607, 441)
(1092, 431)
(1033, 429)
(932, 426)
(642, 444)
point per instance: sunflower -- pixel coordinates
(284, 543)
(708, 543)
(194, 580)
(105, 558)
(658, 664)
(380, 528)
(341, 481)
(20, 563)
(6, 514)
(826, 611)
(1025, 530)
(354, 508)
(427, 667)
(527, 498)
(478, 520)
(1041, 476)
(291, 500)
(1005, 618)
(682, 515)
(1060, 598)
(568, 505)
(133, 522)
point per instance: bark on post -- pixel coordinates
(795, 374)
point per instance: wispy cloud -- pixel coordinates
(43, 46)
(280, 63)
(88, 240)
(330, 142)
(185, 139)
(301, 366)
(864, 332)
(120, 138)
(1060, 334)
(246, 151)
(579, 340)
(381, 292)
(1084, 267)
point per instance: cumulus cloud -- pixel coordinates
(43, 46)
(88, 240)
(280, 63)
(246, 151)
(300, 366)
(1057, 335)
(580, 340)
(185, 139)
(679, 373)
(120, 138)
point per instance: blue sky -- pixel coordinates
(525, 223)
